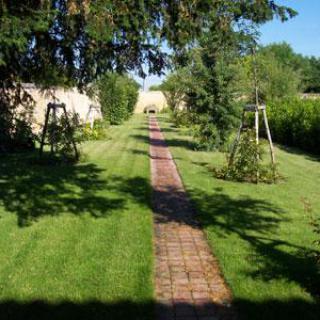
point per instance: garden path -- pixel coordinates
(188, 281)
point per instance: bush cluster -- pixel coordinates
(98, 132)
(118, 95)
(180, 118)
(16, 115)
(296, 122)
(62, 134)
(248, 164)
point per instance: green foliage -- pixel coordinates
(258, 232)
(63, 132)
(74, 42)
(98, 132)
(98, 212)
(206, 134)
(315, 226)
(118, 95)
(175, 86)
(275, 78)
(165, 111)
(16, 111)
(210, 92)
(307, 68)
(312, 75)
(155, 87)
(247, 165)
(79, 40)
(210, 82)
(181, 118)
(296, 122)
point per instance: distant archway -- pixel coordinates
(151, 109)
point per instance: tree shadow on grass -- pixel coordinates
(170, 129)
(273, 309)
(32, 190)
(120, 310)
(181, 143)
(256, 223)
(299, 152)
(69, 310)
(149, 310)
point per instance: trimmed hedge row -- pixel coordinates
(296, 122)
(118, 95)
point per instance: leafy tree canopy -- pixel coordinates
(73, 41)
(155, 87)
(307, 68)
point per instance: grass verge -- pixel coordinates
(261, 234)
(75, 241)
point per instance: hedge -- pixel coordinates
(118, 95)
(296, 122)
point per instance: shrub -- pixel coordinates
(315, 227)
(247, 165)
(118, 95)
(98, 132)
(16, 113)
(61, 136)
(296, 122)
(180, 118)
(206, 135)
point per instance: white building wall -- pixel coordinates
(72, 98)
(155, 98)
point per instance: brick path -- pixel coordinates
(188, 282)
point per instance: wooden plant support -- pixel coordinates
(92, 114)
(256, 109)
(53, 107)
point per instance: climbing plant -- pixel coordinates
(247, 165)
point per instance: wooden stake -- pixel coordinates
(69, 128)
(54, 121)
(255, 73)
(236, 143)
(257, 138)
(273, 160)
(44, 132)
(53, 107)
(91, 114)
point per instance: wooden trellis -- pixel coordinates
(53, 108)
(257, 108)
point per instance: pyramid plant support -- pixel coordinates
(256, 108)
(93, 111)
(53, 107)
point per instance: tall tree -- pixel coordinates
(79, 39)
(210, 93)
(72, 42)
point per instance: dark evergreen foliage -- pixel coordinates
(72, 42)
(118, 95)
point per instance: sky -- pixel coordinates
(302, 32)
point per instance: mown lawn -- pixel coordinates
(260, 233)
(75, 241)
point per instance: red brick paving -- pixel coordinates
(188, 282)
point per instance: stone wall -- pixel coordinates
(80, 103)
(150, 98)
(72, 98)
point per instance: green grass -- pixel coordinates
(76, 241)
(260, 233)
